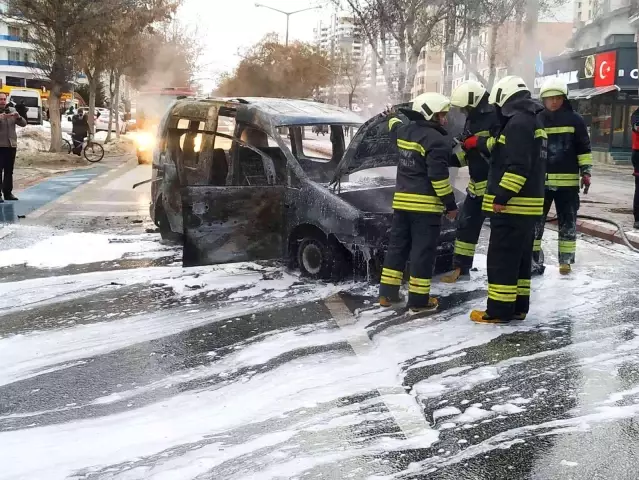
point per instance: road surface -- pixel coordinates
(120, 364)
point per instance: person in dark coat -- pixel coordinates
(79, 132)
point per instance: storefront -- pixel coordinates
(603, 85)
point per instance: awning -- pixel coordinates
(587, 93)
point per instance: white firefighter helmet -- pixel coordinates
(468, 94)
(506, 88)
(553, 87)
(430, 103)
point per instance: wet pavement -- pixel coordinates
(123, 365)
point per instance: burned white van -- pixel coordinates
(247, 179)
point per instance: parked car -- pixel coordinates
(31, 99)
(255, 194)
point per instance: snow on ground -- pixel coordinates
(78, 248)
(191, 433)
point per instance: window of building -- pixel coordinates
(14, 55)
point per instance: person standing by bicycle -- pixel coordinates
(79, 132)
(9, 118)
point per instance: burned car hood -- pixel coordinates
(372, 199)
(371, 146)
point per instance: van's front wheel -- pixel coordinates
(321, 259)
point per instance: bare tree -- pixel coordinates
(351, 73)
(62, 30)
(397, 31)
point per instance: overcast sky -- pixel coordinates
(226, 26)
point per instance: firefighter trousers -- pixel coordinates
(469, 222)
(509, 264)
(566, 204)
(413, 237)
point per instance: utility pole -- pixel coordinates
(288, 14)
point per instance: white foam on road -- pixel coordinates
(79, 248)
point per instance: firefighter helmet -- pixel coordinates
(468, 94)
(553, 87)
(430, 103)
(506, 88)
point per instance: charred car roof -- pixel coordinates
(282, 112)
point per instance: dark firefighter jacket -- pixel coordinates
(518, 155)
(569, 154)
(482, 121)
(422, 171)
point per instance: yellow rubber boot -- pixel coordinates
(388, 302)
(433, 303)
(455, 276)
(565, 268)
(480, 316)
(452, 277)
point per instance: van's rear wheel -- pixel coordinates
(321, 259)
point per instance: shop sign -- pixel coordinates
(568, 77)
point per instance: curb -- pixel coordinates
(588, 227)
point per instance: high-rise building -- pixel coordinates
(17, 63)
(339, 37)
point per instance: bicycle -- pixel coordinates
(92, 151)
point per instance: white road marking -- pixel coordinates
(114, 203)
(92, 213)
(402, 406)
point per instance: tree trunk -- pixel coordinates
(54, 117)
(93, 91)
(449, 41)
(350, 100)
(492, 56)
(117, 105)
(410, 75)
(402, 84)
(530, 43)
(111, 100)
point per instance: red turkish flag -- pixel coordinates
(605, 69)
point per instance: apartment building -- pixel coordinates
(338, 35)
(607, 22)
(551, 40)
(17, 63)
(429, 75)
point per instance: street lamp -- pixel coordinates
(288, 14)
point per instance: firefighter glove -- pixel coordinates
(470, 142)
(585, 180)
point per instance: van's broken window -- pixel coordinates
(252, 167)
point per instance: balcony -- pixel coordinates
(18, 63)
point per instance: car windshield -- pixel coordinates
(27, 101)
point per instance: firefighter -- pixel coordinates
(423, 193)
(514, 199)
(568, 166)
(481, 120)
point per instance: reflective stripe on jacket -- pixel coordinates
(518, 156)
(569, 154)
(422, 171)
